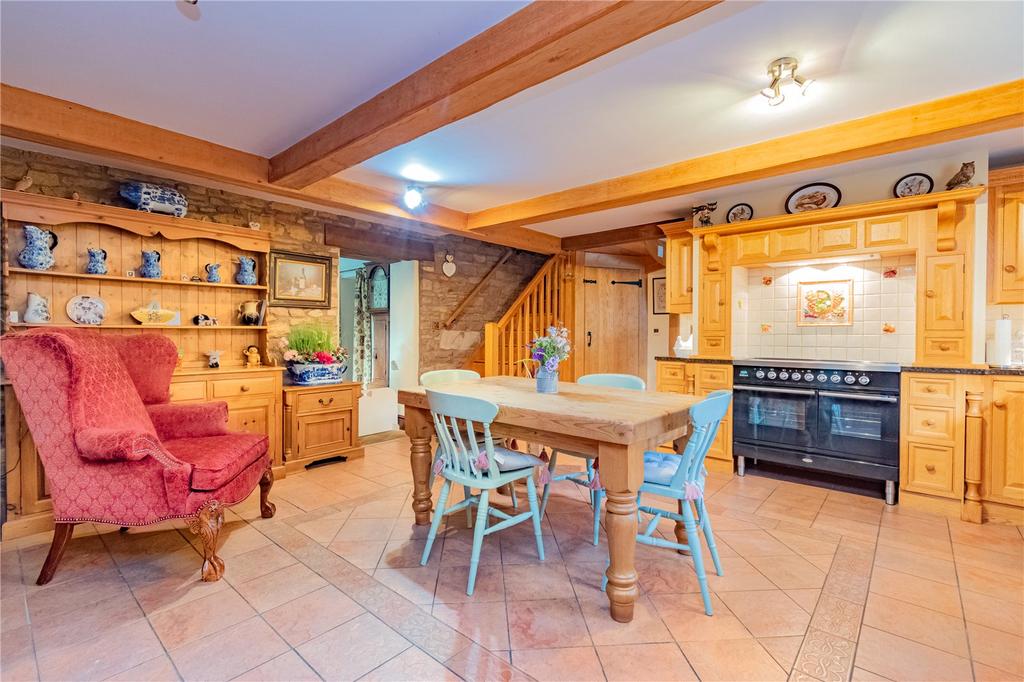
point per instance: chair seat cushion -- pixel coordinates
(217, 460)
(660, 467)
(509, 460)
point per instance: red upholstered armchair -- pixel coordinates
(116, 451)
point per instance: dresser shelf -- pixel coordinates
(140, 327)
(118, 278)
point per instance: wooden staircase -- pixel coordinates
(548, 299)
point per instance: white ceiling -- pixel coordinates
(256, 76)
(691, 89)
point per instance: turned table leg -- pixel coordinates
(419, 427)
(621, 473)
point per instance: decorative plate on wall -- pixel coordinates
(912, 184)
(813, 197)
(87, 310)
(739, 213)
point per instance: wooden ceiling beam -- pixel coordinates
(388, 248)
(991, 109)
(537, 43)
(622, 235)
(38, 118)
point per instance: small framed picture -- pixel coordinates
(912, 185)
(739, 213)
(299, 280)
(813, 197)
(659, 296)
(129, 273)
(825, 304)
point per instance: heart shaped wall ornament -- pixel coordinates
(448, 267)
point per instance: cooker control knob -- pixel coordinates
(796, 376)
(821, 377)
(835, 379)
(771, 374)
(783, 375)
(849, 378)
(808, 377)
(759, 374)
(863, 380)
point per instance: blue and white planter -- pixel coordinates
(315, 374)
(155, 198)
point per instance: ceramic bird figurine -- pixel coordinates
(963, 177)
(24, 183)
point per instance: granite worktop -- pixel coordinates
(987, 371)
(693, 358)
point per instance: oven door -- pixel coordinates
(778, 416)
(860, 425)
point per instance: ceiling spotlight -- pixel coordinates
(413, 197)
(785, 80)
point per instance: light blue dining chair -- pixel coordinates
(681, 477)
(459, 422)
(586, 478)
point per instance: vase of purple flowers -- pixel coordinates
(548, 351)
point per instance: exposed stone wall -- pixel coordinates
(295, 228)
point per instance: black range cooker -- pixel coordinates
(836, 417)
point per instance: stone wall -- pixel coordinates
(295, 228)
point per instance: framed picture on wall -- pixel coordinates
(299, 280)
(659, 296)
(824, 304)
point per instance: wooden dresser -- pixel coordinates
(320, 422)
(701, 378)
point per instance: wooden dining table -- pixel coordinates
(613, 424)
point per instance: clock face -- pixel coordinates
(379, 290)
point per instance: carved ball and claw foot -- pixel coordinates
(207, 524)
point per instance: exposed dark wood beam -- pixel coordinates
(622, 235)
(537, 43)
(389, 248)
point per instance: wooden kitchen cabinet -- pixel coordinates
(700, 379)
(1006, 235)
(1003, 461)
(679, 274)
(320, 422)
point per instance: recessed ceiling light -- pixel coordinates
(413, 197)
(785, 81)
(419, 173)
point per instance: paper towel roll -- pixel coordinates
(1001, 343)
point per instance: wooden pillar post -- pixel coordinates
(972, 510)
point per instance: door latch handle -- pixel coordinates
(590, 337)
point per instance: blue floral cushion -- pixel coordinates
(660, 467)
(508, 460)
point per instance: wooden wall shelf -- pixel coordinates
(139, 327)
(145, 280)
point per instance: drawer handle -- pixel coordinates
(325, 404)
(244, 388)
(930, 293)
(999, 403)
(944, 346)
(929, 389)
(1010, 268)
(689, 289)
(930, 468)
(929, 422)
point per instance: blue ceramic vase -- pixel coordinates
(150, 265)
(97, 264)
(38, 251)
(246, 271)
(547, 382)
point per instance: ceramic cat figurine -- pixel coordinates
(213, 273)
(37, 310)
(38, 251)
(150, 265)
(97, 264)
(154, 198)
(246, 271)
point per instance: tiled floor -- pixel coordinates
(818, 585)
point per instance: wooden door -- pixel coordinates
(712, 303)
(613, 305)
(679, 274)
(944, 293)
(1005, 454)
(324, 433)
(1007, 248)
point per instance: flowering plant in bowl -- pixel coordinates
(550, 350)
(312, 356)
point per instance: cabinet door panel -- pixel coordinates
(1005, 454)
(713, 304)
(837, 237)
(944, 293)
(679, 274)
(1010, 245)
(250, 418)
(752, 247)
(891, 231)
(324, 433)
(795, 241)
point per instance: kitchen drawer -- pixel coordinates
(930, 469)
(188, 390)
(232, 388)
(669, 371)
(931, 391)
(712, 345)
(931, 421)
(939, 349)
(326, 400)
(714, 377)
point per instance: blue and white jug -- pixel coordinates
(213, 273)
(155, 198)
(97, 264)
(38, 251)
(246, 271)
(150, 265)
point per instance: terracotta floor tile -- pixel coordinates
(846, 527)
(922, 625)
(673, 575)
(546, 623)
(164, 582)
(914, 562)
(522, 548)
(406, 554)
(999, 614)
(324, 529)
(997, 649)
(993, 537)
(182, 624)
(476, 663)
(362, 553)
(116, 649)
(543, 581)
(789, 572)
(288, 666)
(452, 581)
(861, 675)
(897, 658)
(486, 623)
(311, 615)
(280, 587)
(824, 657)
(256, 563)
(387, 508)
(159, 669)
(782, 649)
(84, 623)
(732, 660)
(684, 615)
(754, 487)
(85, 558)
(803, 544)
(644, 663)
(984, 581)
(806, 599)
(569, 664)
(53, 600)
(914, 590)
(722, 500)
(458, 549)
(17, 656)
(415, 584)
(375, 642)
(412, 664)
(740, 575)
(838, 617)
(228, 653)
(749, 543)
(935, 545)
(409, 530)
(895, 517)
(1000, 562)
(645, 628)
(371, 530)
(767, 613)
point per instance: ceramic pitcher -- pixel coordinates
(246, 271)
(150, 265)
(37, 310)
(249, 312)
(213, 273)
(97, 264)
(38, 251)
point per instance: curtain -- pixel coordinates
(362, 336)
